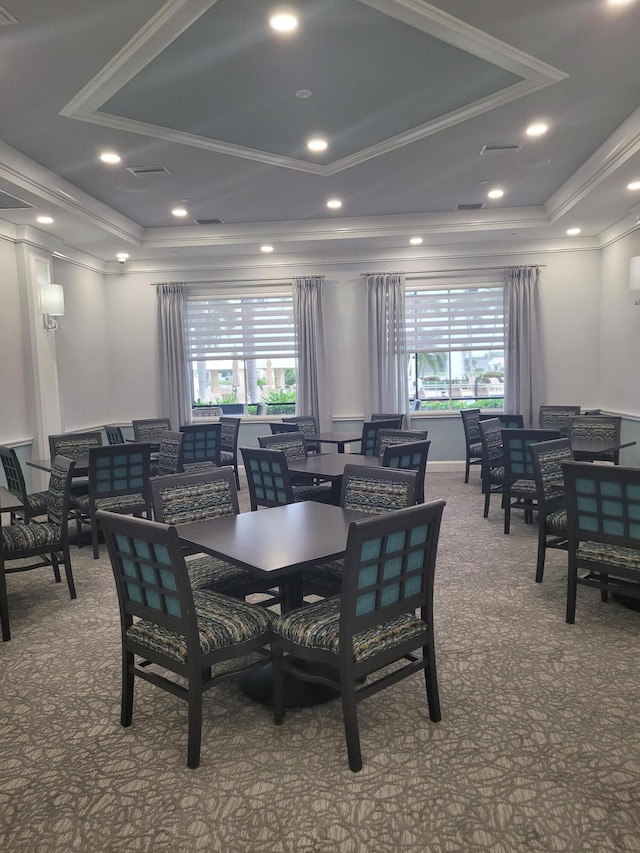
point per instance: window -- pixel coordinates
(242, 351)
(455, 341)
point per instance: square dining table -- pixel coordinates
(340, 439)
(330, 466)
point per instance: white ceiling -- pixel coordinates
(407, 93)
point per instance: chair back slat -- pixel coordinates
(292, 444)
(596, 427)
(150, 429)
(74, 444)
(187, 498)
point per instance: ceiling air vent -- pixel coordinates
(498, 147)
(209, 221)
(10, 202)
(148, 171)
(475, 206)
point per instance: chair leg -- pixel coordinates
(572, 588)
(56, 568)
(431, 683)
(487, 501)
(507, 514)
(350, 715)
(195, 725)
(4, 606)
(68, 572)
(94, 537)
(542, 539)
(128, 681)
(278, 684)
(466, 469)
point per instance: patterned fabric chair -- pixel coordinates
(472, 439)
(411, 456)
(603, 524)
(230, 428)
(370, 430)
(201, 447)
(597, 428)
(169, 459)
(388, 437)
(202, 496)
(118, 482)
(278, 427)
(48, 540)
(75, 445)
(389, 570)
(177, 629)
(151, 430)
(307, 426)
(519, 483)
(34, 504)
(492, 460)
(557, 417)
(373, 491)
(270, 482)
(113, 433)
(294, 446)
(547, 458)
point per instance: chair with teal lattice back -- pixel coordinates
(369, 438)
(411, 456)
(492, 460)
(308, 427)
(201, 446)
(230, 430)
(294, 447)
(75, 445)
(177, 630)
(197, 496)
(33, 504)
(268, 477)
(118, 482)
(547, 458)
(389, 571)
(603, 524)
(472, 439)
(519, 481)
(605, 428)
(113, 433)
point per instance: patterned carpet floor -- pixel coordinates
(538, 748)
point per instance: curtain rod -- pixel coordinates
(234, 281)
(453, 270)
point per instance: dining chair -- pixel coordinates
(472, 439)
(294, 446)
(47, 541)
(389, 570)
(547, 458)
(492, 461)
(308, 426)
(410, 456)
(201, 447)
(270, 482)
(150, 430)
(278, 427)
(230, 429)
(75, 445)
(33, 504)
(603, 524)
(507, 421)
(374, 491)
(557, 417)
(177, 629)
(369, 437)
(387, 437)
(389, 416)
(113, 433)
(197, 496)
(519, 483)
(118, 482)
(597, 428)
(169, 459)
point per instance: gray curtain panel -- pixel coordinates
(524, 389)
(174, 387)
(313, 394)
(385, 386)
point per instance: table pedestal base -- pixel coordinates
(258, 685)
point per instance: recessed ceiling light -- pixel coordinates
(180, 209)
(122, 256)
(634, 185)
(283, 22)
(45, 220)
(266, 248)
(303, 94)
(573, 231)
(334, 204)
(110, 157)
(416, 241)
(317, 144)
(495, 193)
(620, 2)
(539, 128)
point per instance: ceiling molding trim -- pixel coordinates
(623, 144)
(176, 16)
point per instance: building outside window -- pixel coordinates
(455, 342)
(242, 351)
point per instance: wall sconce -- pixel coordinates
(51, 304)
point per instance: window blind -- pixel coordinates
(250, 327)
(454, 318)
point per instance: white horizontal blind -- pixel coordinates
(250, 327)
(449, 318)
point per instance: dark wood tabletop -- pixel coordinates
(338, 438)
(330, 466)
(81, 469)
(598, 445)
(9, 501)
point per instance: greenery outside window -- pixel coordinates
(242, 351)
(455, 342)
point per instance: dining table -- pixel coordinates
(81, 469)
(8, 501)
(277, 543)
(340, 439)
(330, 466)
